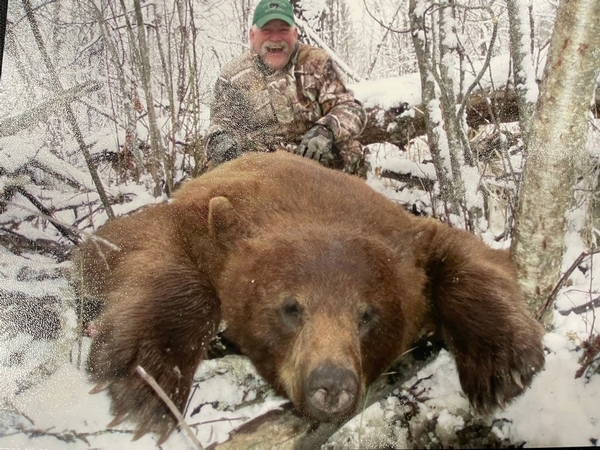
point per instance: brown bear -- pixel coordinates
(321, 281)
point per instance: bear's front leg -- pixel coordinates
(160, 315)
(482, 317)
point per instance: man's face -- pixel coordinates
(275, 43)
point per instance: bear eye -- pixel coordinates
(291, 312)
(367, 320)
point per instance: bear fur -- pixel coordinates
(321, 281)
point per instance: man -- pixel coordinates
(282, 93)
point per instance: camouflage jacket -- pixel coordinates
(262, 109)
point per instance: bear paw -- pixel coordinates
(114, 369)
(492, 377)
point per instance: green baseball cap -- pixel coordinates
(268, 10)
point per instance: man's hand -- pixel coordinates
(317, 144)
(221, 148)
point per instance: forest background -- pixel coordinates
(104, 106)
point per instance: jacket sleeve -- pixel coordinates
(342, 113)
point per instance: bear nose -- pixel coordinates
(331, 392)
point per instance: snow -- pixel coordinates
(63, 403)
(389, 92)
(20, 149)
(393, 91)
(406, 166)
(374, 428)
(558, 410)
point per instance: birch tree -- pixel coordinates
(523, 71)
(556, 148)
(145, 76)
(438, 50)
(436, 135)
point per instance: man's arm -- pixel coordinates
(343, 114)
(225, 119)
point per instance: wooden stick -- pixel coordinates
(165, 398)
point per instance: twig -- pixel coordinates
(590, 356)
(486, 63)
(67, 436)
(383, 25)
(71, 228)
(165, 398)
(65, 231)
(222, 419)
(593, 326)
(563, 279)
(13, 124)
(581, 308)
(18, 243)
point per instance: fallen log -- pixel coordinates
(403, 122)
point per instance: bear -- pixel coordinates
(320, 280)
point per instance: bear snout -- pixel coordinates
(331, 392)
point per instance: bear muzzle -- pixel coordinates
(331, 393)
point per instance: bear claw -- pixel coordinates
(117, 420)
(99, 388)
(163, 437)
(139, 433)
(516, 376)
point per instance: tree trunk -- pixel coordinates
(132, 142)
(448, 106)
(436, 135)
(195, 96)
(155, 140)
(523, 71)
(557, 144)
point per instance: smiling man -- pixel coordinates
(285, 94)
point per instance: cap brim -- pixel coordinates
(263, 21)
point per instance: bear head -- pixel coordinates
(321, 312)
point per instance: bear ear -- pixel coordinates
(224, 224)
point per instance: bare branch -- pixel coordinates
(165, 398)
(14, 124)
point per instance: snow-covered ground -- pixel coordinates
(57, 412)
